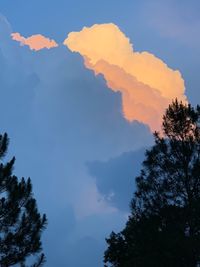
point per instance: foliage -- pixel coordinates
(21, 224)
(164, 226)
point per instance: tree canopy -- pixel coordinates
(21, 224)
(164, 226)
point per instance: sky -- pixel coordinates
(84, 84)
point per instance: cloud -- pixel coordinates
(76, 107)
(59, 116)
(35, 42)
(115, 178)
(146, 83)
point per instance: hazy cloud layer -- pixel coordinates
(59, 116)
(146, 83)
(35, 42)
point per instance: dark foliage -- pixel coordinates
(164, 226)
(21, 224)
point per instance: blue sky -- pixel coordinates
(67, 129)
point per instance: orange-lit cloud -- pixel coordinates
(35, 42)
(146, 83)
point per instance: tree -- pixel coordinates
(21, 224)
(164, 226)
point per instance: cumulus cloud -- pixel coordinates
(35, 42)
(146, 83)
(58, 116)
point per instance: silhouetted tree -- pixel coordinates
(164, 226)
(21, 224)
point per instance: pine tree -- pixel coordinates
(164, 226)
(21, 224)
